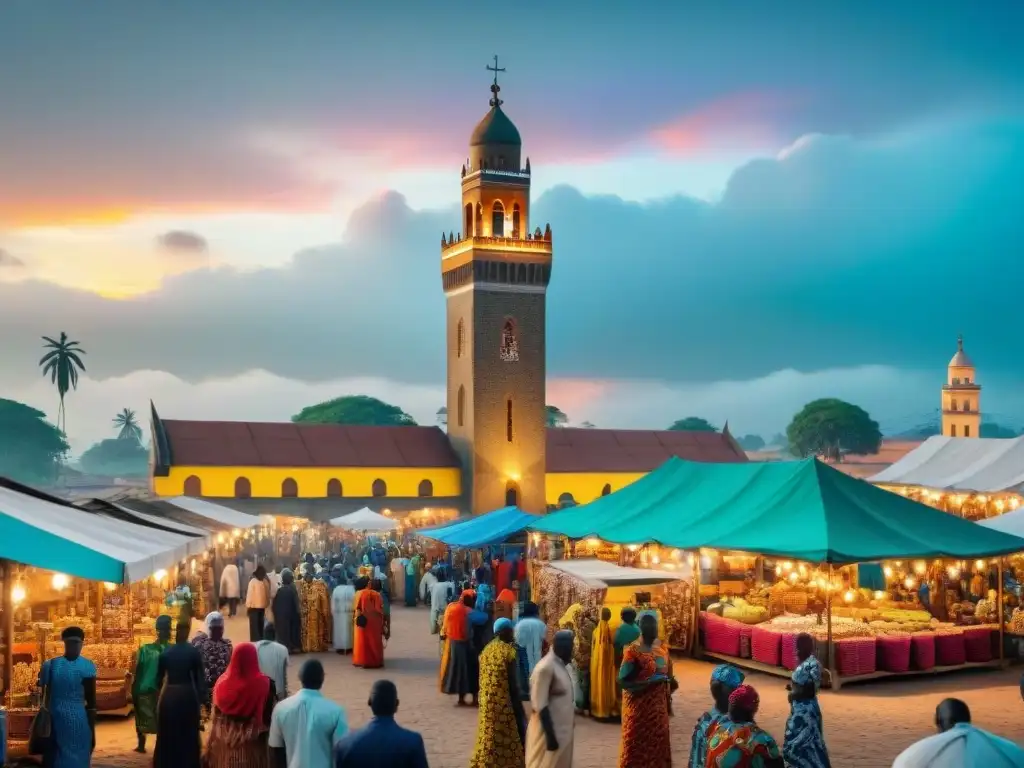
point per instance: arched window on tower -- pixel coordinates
(509, 343)
(243, 488)
(478, 225)
(289, 488)
(508, 419)
(515, 220)
(953, 403)
(460, 338)
(497, 219)
(461, 406)
(379, 488)
(511, 495)
(967, 405)
(468, 224)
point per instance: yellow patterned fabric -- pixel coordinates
(315, 607)
(498, 744)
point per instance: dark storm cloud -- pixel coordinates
(180, 241)
(8, 260)
(840, 254)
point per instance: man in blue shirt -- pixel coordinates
(305, 727)
(382, 742)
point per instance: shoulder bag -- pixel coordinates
(41, 733)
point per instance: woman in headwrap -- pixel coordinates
(604, 703)
(644, 679)
(145, 688)
(724, 680)
(242, 704)
(459, 675)
(736, 741)
(501, 727)
(287, 618)
(215, 651)
(804, 745)
(69, 690)
(183, 689)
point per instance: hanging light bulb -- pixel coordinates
(160, 575)
(920, 567)
(848, 597)
(887, 571)
(794, 576)
(909, 582)
(979, 565)
(60, 581)
(778, 570)
(879, 594)
(593, 541)
(17, 594)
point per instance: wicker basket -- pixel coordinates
(795, 601)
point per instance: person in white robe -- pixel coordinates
(342, 601)
(230, 587)
(427, 584)
(397, 568)
(550, 734)
(530, 634)
(441, 594)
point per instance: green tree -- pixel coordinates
(555, 416)
(31, 449)
(62, 362)
(830, 428)
(693, 424)
(991, 429)
(127, 426)
(116, 457)
(357, 410)
(751, 442)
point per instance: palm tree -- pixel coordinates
(62, 362)
(127, 426)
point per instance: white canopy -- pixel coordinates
(1009, 522)
(217, 512)
(599, 574)
(64, 538)
(201, 537)
(968, 464)
(364, 519)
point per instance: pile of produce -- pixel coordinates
(740, 610)
(24, 677)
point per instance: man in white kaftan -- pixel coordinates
(342, 601)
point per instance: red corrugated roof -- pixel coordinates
(283, 444)
(634, 450)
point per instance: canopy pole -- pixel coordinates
(696, 605)
(1000, 614)
(8, 629)
(829, 655)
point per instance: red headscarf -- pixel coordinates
(746, 697)
(242, 690)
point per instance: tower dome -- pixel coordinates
(495, 143)
(960, 359)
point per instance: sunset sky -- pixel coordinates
(236, 206)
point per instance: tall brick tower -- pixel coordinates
(495, 274)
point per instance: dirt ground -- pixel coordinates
(866, 725)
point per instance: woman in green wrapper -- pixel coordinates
(146, 690)
(626, 634)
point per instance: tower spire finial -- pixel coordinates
(960, 342)
(495, 101)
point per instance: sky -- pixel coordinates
(235, 207)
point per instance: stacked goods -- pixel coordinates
(765, 645)
(949, 649)
(63, 622)
(922, 650)
(903, 615)
(677, 611)
(24, 677)
(894, 652)
(118, 657)
(978, 644)
(111, 690)
(1017, 621)
(745, 613)
(855, 656)
(721, 635)
(883, 628)
(788, 651)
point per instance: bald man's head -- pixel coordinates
(950, 712)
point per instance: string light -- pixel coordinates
(920, 567)
(887, 571)
(979, 565)
(909, 582)
(60, 581)
(848, 597)
(109, 586)
(160, 575)
(17, 594)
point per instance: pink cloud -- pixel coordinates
(738, 121)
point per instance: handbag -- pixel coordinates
(361, 621)
(41, 732)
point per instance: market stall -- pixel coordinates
(976, 478)
(499, 534)
(778, 547)
(365, 519)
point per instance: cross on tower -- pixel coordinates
(495, 101)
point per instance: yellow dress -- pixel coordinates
(603, 697)
(497, 737)
(315, 607)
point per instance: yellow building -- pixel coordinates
(961, 397)
(498, 450)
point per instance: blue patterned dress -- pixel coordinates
(804, 746)
(72, 738)
(699, 741)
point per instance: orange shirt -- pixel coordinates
(456, 622)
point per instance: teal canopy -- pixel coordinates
(481, 530)
(804, 510)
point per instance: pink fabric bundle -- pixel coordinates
(894, 653)
(922, 650)
(722, 635)
(950, 650)
(978, 644)
(788, 651)
(745, 641)
(765, 645)
(855, 656)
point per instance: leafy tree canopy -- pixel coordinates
(693, 424)
(830, 428)
(31, 449)
(751, 442)
(555, 416)
(355, 409)
(116, 457)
